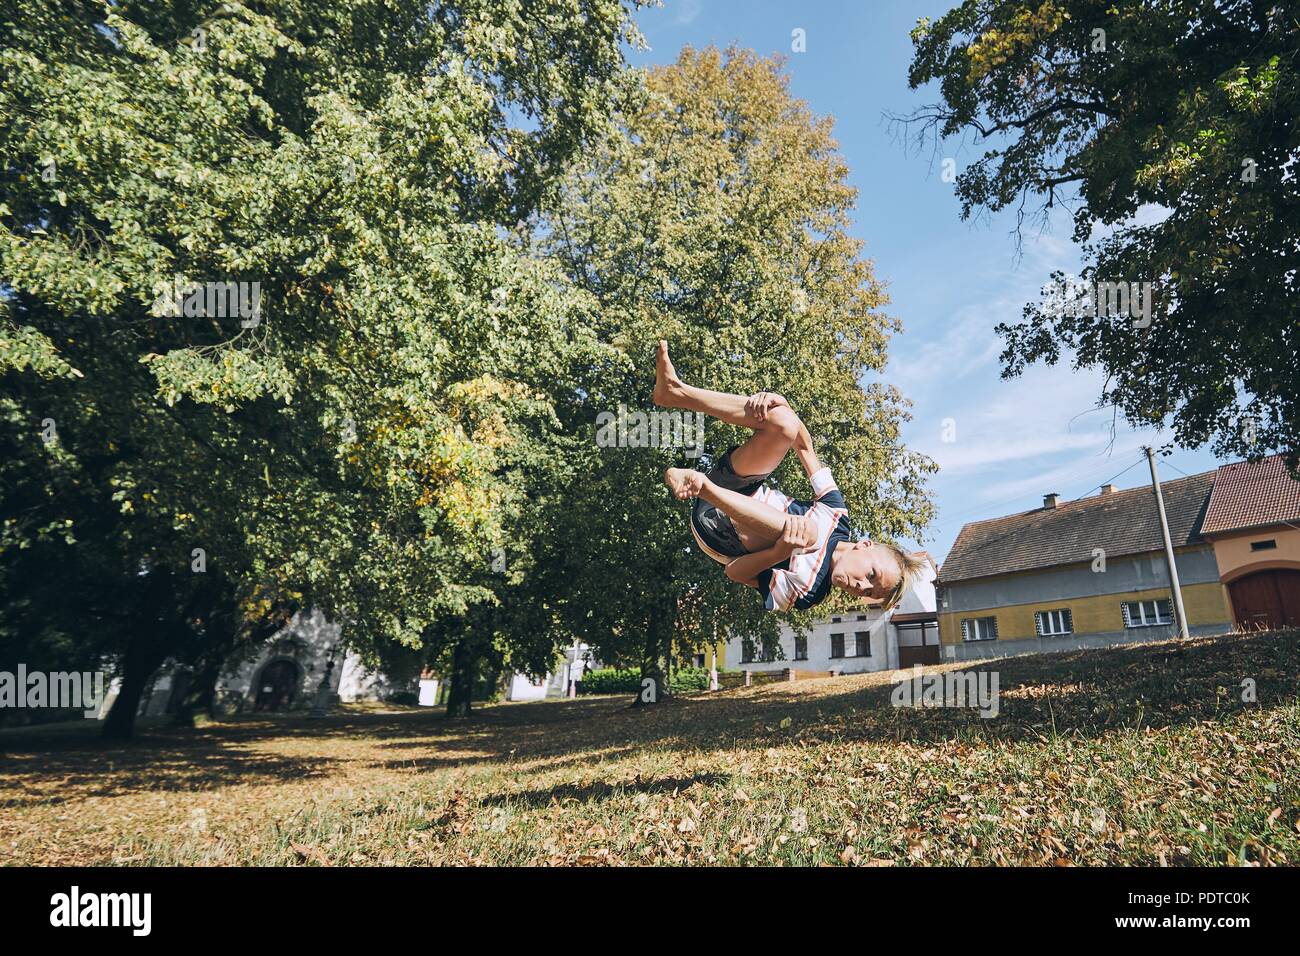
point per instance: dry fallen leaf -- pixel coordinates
(313, 853)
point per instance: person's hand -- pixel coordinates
(760, 403)
(799, 533)
(684, 482)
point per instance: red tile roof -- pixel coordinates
(1121, 522)
(1250, 494)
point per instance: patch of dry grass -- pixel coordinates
(1137, 755)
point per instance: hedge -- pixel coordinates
(611, 680)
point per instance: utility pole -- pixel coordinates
(1169, 546)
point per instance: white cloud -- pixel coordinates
(687, 11)
(1044, 411)
(928, 358)
(1073, 478)
(974, 456)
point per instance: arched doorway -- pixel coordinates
(1266, 600)
(277, 686)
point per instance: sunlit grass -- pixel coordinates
(1140, 755)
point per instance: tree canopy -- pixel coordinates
(718, 219)
(1170, 131)
(315, 304)
(360, 171)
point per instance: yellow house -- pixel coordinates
(1086, 573)
(1093, 572)
(1253, 521)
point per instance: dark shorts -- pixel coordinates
(712, 528)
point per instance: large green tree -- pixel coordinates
(368, 165)
(1170, 130)
(718, 219)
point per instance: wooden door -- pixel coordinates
(1266, 600)
(277, 686)
(926, 652)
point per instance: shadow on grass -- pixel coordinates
(601, 790)
(1085, 693)
(74, 772)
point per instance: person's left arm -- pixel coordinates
(760, 405)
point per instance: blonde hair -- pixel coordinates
(910, 566)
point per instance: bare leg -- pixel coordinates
(773, 436)
(757, 525)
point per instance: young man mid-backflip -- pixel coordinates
(792, 551)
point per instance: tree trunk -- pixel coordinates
(201, 695)
(464, 668)
(654, 676)
(227, 630)
(138, 665)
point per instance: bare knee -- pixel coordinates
(784, 421)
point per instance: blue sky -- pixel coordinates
(950, 282)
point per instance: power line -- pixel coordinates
(1110, 479)
(1014, 531)
(1186, 475)
(998, 504)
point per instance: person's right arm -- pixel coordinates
(799, 532)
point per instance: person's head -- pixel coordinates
(878, 573)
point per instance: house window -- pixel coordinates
(746, 653)
(862, 617)
(835, 620)
(862, 643)
(1268, 545)
(1147, 613)
(1054, 623)
(979, 629)
(837, 645)
(801, 648)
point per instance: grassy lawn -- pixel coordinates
(1138, 755)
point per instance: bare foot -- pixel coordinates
(684, 482)
(667, 385)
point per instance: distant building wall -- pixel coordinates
(523, 687)
(1122, 575)
(1237, 558)
(882, 644)
(359, 682)
(1098, 621)
(306, 641)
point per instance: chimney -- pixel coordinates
(1053, 500)
(1108, 489)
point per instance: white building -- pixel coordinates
(576, 661)
(285, 674)
(857, 641)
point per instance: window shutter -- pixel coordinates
(1068, 619)
(994, 622)
(1038, 623)
(1167, 610)
(1128, 621)
(965, 629)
